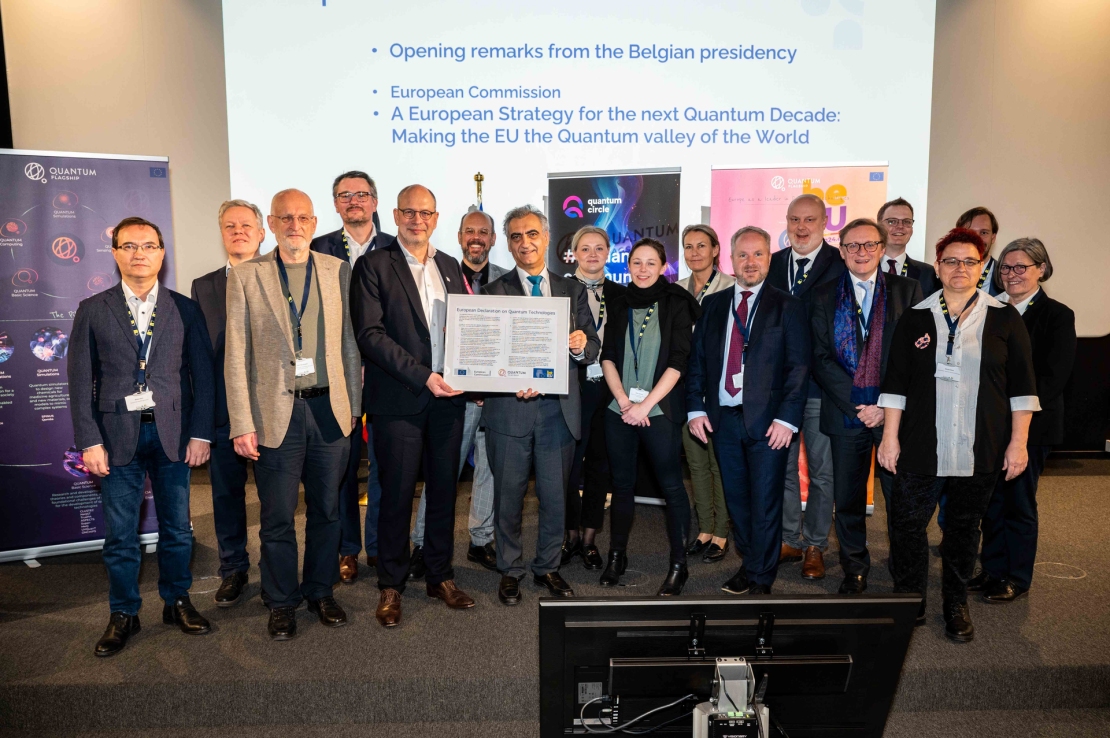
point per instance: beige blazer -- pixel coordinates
(259, 360)
(721, 282)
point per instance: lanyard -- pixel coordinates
(954, 322)
(346, 246)
(633, 340)
(304, 299)
(601, 308)
(905, 267)
(144, 346)
(794, 285)
(746, 328)
(985, 274)
(466, 283)
(708, 284)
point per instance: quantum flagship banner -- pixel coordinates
(57, 211)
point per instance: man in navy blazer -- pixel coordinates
(142, 394)
(746, 384)
(355, 197)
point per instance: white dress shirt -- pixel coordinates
(545, 282)
(358, 249)
(433, 298)
(1024, 304)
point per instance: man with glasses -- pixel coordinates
(293, 397)
(143, 397)
(356, 200)
(897, 217)
(983, 222)
(399, 307)
(852, 324)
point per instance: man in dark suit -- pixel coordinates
(356, 200)
(983, 221)
(142, 394)
(530, 430)
(809, 262)
(242, 230)
(399, 308)
(853, 322)
(897, 217)
(746, 384)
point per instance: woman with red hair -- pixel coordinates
(958, 396)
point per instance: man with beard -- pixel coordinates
(897, 216)
(477, 234)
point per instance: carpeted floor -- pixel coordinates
(1038, 667)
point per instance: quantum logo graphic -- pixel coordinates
(99, 282)
(13, 227)
(67, 249)
(35, 171)
(572, 210)
(106, 234)
(778, 183)
(65, 200)
(25, 278)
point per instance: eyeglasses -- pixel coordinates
(146, 248)
(969, 263)
(483, 232)
(905, 222)
(1016, 268)
(356, 196)
(304, 220)
(409, 213)
(868, 246)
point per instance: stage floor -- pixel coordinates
(1040, 666)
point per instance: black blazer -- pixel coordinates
(827, 267)
(776, 370)
(836, 384)
(924, 274)
(332, 243)
(210, 292)
(610, 290)
(392, 332)
(677, 315)
(1051, 327)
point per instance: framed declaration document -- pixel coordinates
(497, 343)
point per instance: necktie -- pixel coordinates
(866, 304)
(736, 345)
(800, 272)
(536, 292)
(476, 282)
(890, 264)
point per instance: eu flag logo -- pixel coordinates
(876, 176)
(159, 172)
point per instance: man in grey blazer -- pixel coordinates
(293, 380)
(530, 430)
(143, 396)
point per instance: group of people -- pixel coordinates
(277, 358)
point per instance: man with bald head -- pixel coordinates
(399, 308)
(293, 379)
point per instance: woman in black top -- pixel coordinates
(1010, 525)
(958, 395)
(647, 341)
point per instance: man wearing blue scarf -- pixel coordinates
(852, 324)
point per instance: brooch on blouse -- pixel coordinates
(922, 342)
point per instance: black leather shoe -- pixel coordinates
(759, 589)
(739, 583)
(485, 555)
(853, 584)
(591, 558)
(715, 553)
(1004, 591)
(417, 567)
(182, 614)
(981, 582)
(569, 550)
(555, 584)
(676, 577)
(120, 628)
(957, 623)
(231, 589)
(329, 612)
(283, 623)
(508, 591)
(696, 547)
(618, 562)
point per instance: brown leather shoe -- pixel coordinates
(788, 554)
(455, 598)
(814, 566)
(348, 569)
(389, 608)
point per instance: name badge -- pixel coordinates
(593, 372)
(948, 372)
(637, 395)
(738, 381)
(139, 401)
(305, 367)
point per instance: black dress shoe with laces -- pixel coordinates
(569, 550)
(676, 578)
(618, 562)
(739, 583)
(715, 553)
(981, 582)
(417, 567)
(182, 614)
(485, 555)
(1004, 591)
(853, 584)
(120, 628)
(231, 589)
(508, 591)
(283, 623)
(697, 547)
(555, 584)
(957, 622)
(329, 612)
(759, 589)
(591, 558)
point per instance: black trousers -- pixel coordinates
(589, 471)
(913, 500)
(314, 448)
(851, 458)
(1010, 524)
(228, 472)
(662, 440)
(405, 444)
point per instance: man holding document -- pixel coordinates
(531, 428)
